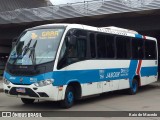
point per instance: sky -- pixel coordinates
(57, 2)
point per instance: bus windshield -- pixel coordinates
(36, 47)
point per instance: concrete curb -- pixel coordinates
(157, 84)
(1, 89)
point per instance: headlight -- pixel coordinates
(44, 82)
(7, 82)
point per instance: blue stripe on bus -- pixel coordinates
(138, 36)
(132, 70)
(149, 71)
(85, 76)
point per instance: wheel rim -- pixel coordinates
(134, 86)
(70, 97)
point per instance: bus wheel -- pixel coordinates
(27, 101)
(134, 88)
(69, 98)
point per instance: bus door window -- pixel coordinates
(150, 49)
(137, 48)
(73, 52)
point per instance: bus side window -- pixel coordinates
(101, 46)
(137, 48)
(110, 46)
(81, 48)
(105, 46)
(150, 49)
(123, 48)
(92, 45)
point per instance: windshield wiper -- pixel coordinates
(32, 53)
(25, 49)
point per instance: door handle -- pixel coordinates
(156, 62)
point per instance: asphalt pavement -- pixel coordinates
(147, 99)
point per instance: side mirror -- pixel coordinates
(14, 42)
(71, 40)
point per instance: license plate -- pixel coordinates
(21, 90)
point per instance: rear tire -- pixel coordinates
(27, 101)
(69, 98)
(134, 87)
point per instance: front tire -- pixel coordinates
(27, 101)
(134, 87)
(69, 98)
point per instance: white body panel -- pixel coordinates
(123, 84)
(52, 91)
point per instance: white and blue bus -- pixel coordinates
(66, 62)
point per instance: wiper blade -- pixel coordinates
(24, 51)
(32, 53)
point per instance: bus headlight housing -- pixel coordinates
(7, 82)
(44, 83)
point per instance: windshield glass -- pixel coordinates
(36, 47)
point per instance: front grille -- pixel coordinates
(29, 70)
(22, 73)
(20, 84)
(29, 92)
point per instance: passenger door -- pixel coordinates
(149, 68)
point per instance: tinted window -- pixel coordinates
(81, 48)
(101, 46)
(71, 53)
(105, 46)
(137, 48)
(110, 46)
(123, 48)
(92, 45)
(150, 49)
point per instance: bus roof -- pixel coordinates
(110, 29)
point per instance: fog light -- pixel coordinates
(44, 83)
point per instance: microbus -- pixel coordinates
(67, 62)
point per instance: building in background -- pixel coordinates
(6, 9)
(11, 5)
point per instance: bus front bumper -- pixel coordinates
(48, 92)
